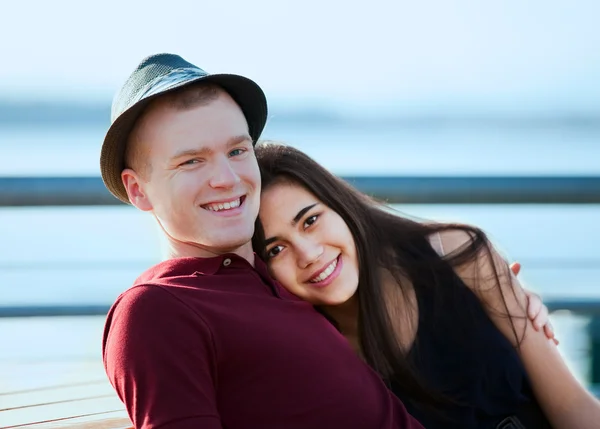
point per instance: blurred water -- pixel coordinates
(348, 148)
(89, 254)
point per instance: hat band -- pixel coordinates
(163, 83)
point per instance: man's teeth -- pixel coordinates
(223, 206)
(325, 273)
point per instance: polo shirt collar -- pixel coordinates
(188, 266)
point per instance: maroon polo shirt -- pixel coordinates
(214, 343)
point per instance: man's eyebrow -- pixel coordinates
(191, 152)
(207, 150)
(296, 219)
(238, 139)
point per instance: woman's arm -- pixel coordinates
(536, 310)
(567, 404)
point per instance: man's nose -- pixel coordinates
(223, 174)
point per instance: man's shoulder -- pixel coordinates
(181, 285)
(153, 290)
(148, 319)
(148, 307)
(159, 289)
(163, 278)
(144, 298)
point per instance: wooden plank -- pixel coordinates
(55, 379)
(109, 420)
(55, 395)
(63, 410)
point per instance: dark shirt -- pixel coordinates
(459, 351)
(214, 343)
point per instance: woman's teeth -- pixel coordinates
(325, 273)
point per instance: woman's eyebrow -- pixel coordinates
(296, 219)
(302, 213)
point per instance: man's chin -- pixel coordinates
(232, 244)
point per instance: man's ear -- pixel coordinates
(134, 185)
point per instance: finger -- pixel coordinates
(534, 307)
(549, 331)
(515, 268)
(542, 318)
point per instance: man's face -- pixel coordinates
(203, 181)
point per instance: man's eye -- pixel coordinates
(236, 152)
(190, 162)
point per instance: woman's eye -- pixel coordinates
(274, 251)
(309, 221)
(236, 152)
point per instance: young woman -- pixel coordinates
(432, 307)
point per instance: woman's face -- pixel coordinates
(310, 249)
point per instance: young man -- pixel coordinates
(206, 339)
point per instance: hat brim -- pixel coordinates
(246, 93)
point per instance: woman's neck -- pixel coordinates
(402, 311)
(345, 316)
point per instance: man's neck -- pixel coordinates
(194, 250)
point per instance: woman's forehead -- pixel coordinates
(281, 202)
(289, 191)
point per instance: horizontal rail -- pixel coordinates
(90, 191)
(584, 306)
(53, 310)
(587, 306)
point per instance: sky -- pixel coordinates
(510, 54)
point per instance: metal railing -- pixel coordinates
(90, 191)
(580, 306)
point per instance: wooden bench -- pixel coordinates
(51, 375)
(89, 404)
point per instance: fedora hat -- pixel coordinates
(157, 75)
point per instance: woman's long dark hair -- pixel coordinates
(382, 239)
